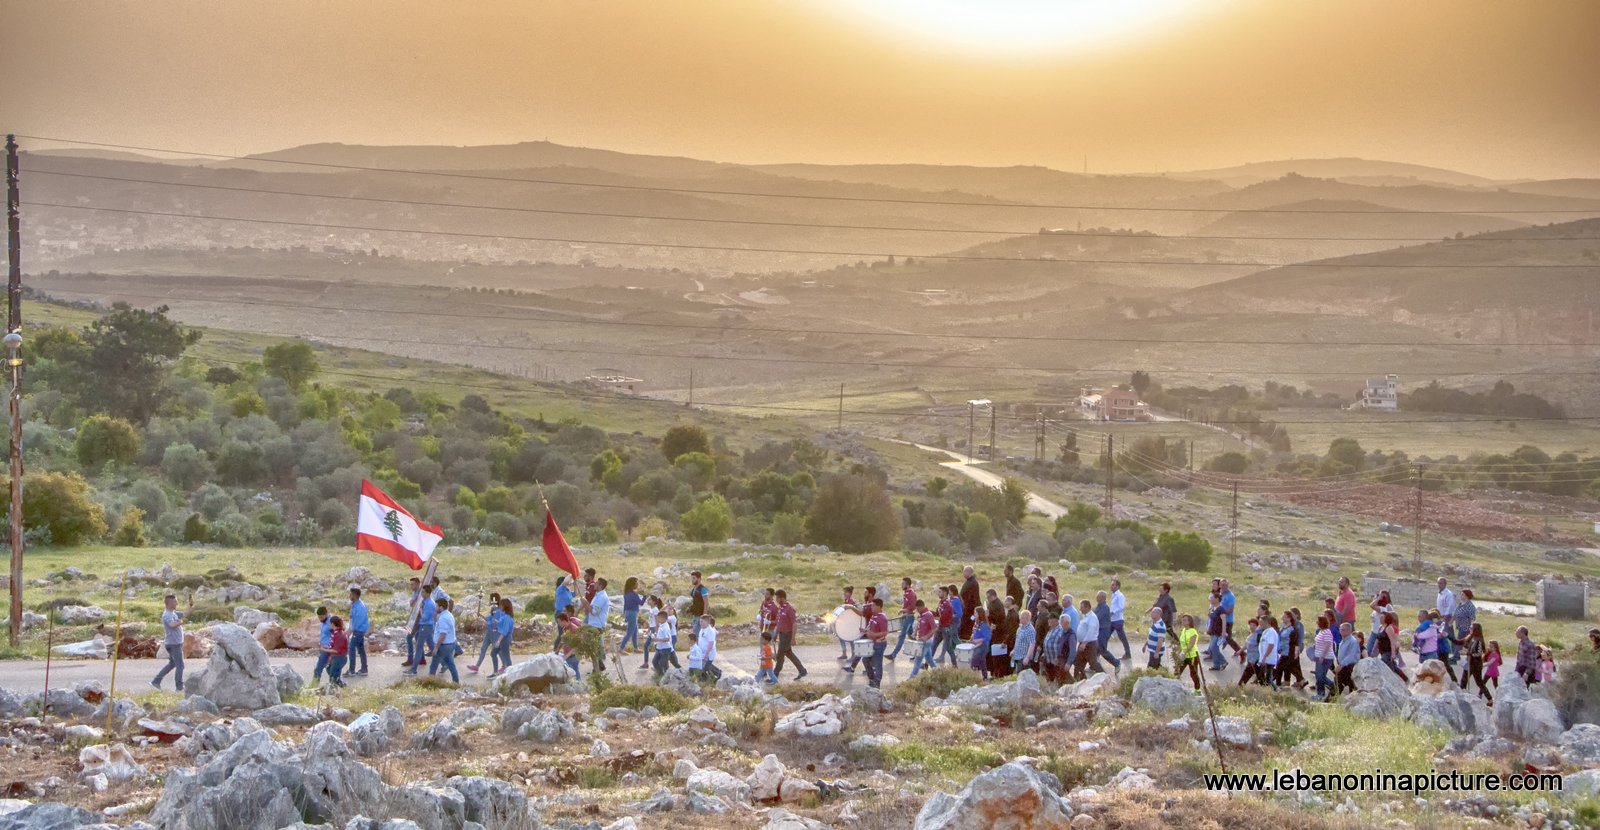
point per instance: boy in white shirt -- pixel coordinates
(663, 643)
(672, 626)
(708, 647)
(697, 656)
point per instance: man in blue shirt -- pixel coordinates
(324, 641)
(1102, 613)
(427, 616)
(564, 602)
(413, 645)
(445, 639)
(599, 611)
(360, 624)
(1227, 620)
(958, 610)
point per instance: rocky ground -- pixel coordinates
(250, 748)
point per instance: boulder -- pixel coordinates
(715, 782)
(1454, 710)
(702, 722)
(289, 681)
(781, 819)
(1014, 795)
(679, 681)
(534, 676)
(547, 726)
(820, 718)
(287, 714)
(1507, 699)
(11, 704)
(493, 803)
(63, 703)
(114, 761)
(164, 731)
(1430, 679)
(1538, 721)
(1163, 695)
(123, 712)
(195, 647)
(269, 635)
(250, 619)
(1020, 691)
(198, 705)
(236, 675)
(305, 635)
(439, 737)
(700, 803)
(1580, 745)
(1129, 778)
(1230, 730)
(1573, 787)
(770, 782)
(94, 649)
(1093, 687)
(49, 816)
(82, 614)
(1379, 691)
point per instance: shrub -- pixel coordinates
(924, 539)
(1036, 547)
(684, 438)
(102, 439)
(331, 514)
(130, 529)
(708, 521)
(936, 682)
(979, 532)
(1185, 551)
(149, 496)
(509, 527)
(1080, 517)
(234, 530)
(665, 700)
(1576, 692)
(59, 504)
(1230, 462)
(186, 466)
(788, 529)
(291, 361)
(797, 692)
(195, 529)
(852, 513)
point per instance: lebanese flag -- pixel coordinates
(556, 548)
(383, 526)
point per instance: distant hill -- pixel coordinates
(1480, 288)
(1354, 219)
(1575, 188)
(1294, 188)
(1337, 168)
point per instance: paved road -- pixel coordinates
(135, 675)
(970, 469)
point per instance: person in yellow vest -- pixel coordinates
(1189, 649)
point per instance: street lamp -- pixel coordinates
(972, 407)
(13, 342)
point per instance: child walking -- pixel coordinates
(766, 671)
(338, 651)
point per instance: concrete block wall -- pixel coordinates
(1562, 600)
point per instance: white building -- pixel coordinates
(1382, 394)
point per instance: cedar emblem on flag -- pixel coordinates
(384, 527)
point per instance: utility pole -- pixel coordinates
(972, 408)
(992, 447)
(1111, 472)
(1416, 519)
(840, 424)
(1038, 441)
(1233, 534)
(13, 343)
(691, 388)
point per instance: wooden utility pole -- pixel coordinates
(840, 424)
(992, 448)
(1233, 534)
(13, 343)
(1038, 440)
(1111, 473)
(1416, 519)
(691, 388)
(972, 409)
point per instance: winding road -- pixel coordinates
(970, 469)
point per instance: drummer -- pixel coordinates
(908, 615)
(848, 603)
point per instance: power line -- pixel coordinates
(1132, 237)
(692, 246)
(735, 358)
(870, 333)
(821, 197)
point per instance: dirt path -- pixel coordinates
(959, 463)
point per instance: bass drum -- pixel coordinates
(848, 624)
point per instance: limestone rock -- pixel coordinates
(1163, 695)
(781, 819)
(236, 675)
(289, 681)
(534, 676)
(287, 714)
(114, 761)
(250, 619)
(718, 783)
(195, 647)
(48, 816)
(82, 614)
(94, 649)
(1013, 795)
(305, 635)
(269, 635)
(1093, 687)
(1454, 710)
(493, 803)
(1430, 679)
(1538, 721)
(870, 700)
(440, 737)
(1580, 745)
(1379, 691)
(820, 718)
(545, 726)
(1020, 691)
(1230, 730)
(679, 681)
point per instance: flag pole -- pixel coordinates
(116, 651)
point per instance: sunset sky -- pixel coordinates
(1502, 89)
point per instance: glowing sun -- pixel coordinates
(1033, 26)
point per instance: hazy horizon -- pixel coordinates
(1169, 85)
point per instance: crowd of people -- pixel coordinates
(996, 632)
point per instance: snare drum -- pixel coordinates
(964, 651)
(862, 644)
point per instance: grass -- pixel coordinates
(665, 700)
(936, 682)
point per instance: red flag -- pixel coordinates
(556, 548)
